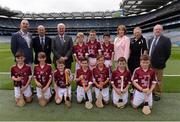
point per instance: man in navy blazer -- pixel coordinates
(62, 46)
(159, 52)
(22, 41)
(42, 43)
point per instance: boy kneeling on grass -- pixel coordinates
(84, 82)
(21, 75)
(121, 79)
(144, 81)
(101, 82)
(62, 83)
(43, 78)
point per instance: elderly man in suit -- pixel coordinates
(159, 51)
(42, 43)
(22, 41)
(62, 46)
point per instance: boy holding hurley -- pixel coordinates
(62, 83)
(101, 82)
(121, 79)
(21, 75)
(43, 78)
(144, 81)
(84, 82)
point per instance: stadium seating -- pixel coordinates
(167, 16)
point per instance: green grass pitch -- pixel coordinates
(170, 83)
(166, 109)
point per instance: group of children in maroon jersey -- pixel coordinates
(93, 74)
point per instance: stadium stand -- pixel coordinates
(143, 13)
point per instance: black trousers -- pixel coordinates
(133, 63)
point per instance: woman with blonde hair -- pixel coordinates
(121, 44)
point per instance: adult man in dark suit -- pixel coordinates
(159, 51)
(42, 43)
(62, 46)
(22, 41)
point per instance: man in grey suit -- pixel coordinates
(62, 46)
(22, 41)
(159, 52)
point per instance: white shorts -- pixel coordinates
(27, 92)
(105, 93)
(63, 92)
(92, 62)
(81, 94)
(47, 93)
(139, 97)
(116, 97)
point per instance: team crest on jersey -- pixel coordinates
(145, 81)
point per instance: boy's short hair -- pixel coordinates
(121, 59)
(100, 56)
(19, 54)
(41, 55)
(80, 34)
(106, 34)
(144, 58)
(60, 61)
(84, 59)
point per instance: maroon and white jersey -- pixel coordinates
(107, 51)
(86, 75)
(60, 79)
(93, 48)
(144, 79)
(43, 75)
(23, 72)
(116, 78)
(80, 51)
(101, 75)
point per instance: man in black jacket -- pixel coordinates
(42, 43)
(159, 51)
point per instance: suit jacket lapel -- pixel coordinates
(58, 42)
(158, 43)
(150, 42)
(45, 41)
(66, 40)
(29, 35)
(39, 42)
(160, 38)
(20, 35)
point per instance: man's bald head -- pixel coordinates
(41, 30)
(158, 29)
(24, 25)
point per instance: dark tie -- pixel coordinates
(42, 43)
(154, 43)
(62, 40)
